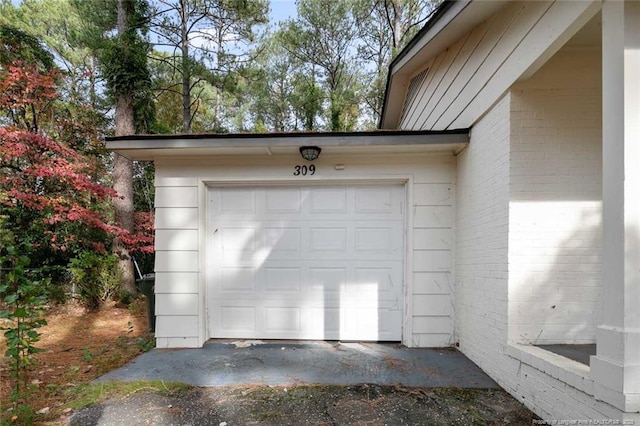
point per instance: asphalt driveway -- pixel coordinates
(295, 383)
(287, 363)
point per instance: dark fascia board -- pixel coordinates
(454, 20)
(389, 137)
(437, 15)
(435, 18)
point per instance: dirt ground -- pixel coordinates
(309, 405)
(80, 346)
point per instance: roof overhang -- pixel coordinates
(451, 21)
(152, 147)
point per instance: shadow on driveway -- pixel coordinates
(287, 363)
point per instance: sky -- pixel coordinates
(282, 10)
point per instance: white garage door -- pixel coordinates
(315, 262)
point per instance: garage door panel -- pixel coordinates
(309, 263)
(282, 279)
(238, 318)
(237, 280)
(378, 240)
(373, 239)
(376, 280)
(322, 242)
(327, 200)
(325, 238)
(237, 239)
(326, 281)
(237, 200)
(375, 200)
(380, 279)
(283, 319)
(283, 200)
(324, 322)
(281, 239)
(236, 244)
(304, 216)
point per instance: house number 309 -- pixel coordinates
(304, 170)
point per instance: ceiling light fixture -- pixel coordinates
(310, 153)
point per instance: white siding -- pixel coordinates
(463, 81)
(177, 282)
(176, 196)
(177, 218)
(169, 260)
(176, 287)
(181, 230)
(177, 239)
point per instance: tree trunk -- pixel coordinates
(186, 70)
(397, 26)
(123, 174)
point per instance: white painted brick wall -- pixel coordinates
(555, 203)
(481, 240)
(506, 168)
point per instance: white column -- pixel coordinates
(616, 366)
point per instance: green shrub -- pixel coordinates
(125, 297)
(95, 277)
(21, 311)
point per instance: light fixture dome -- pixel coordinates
(310, 153)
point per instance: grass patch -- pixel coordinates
(459, 394)
(94, 393)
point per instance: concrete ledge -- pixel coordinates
(564, 369)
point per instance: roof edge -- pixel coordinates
(150, 147)
(436, 16)
(291, 135)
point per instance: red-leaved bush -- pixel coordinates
(42, 179)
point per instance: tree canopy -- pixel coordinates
(73, 71)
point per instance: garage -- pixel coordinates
(254, 239)
(306, 262)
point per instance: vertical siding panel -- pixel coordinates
(409, 109)
(444, 60)
(497, 28)
(440, 103)
(442, 94)
(498, 25)
(451, 54)
(528, 15)
(494, 79)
